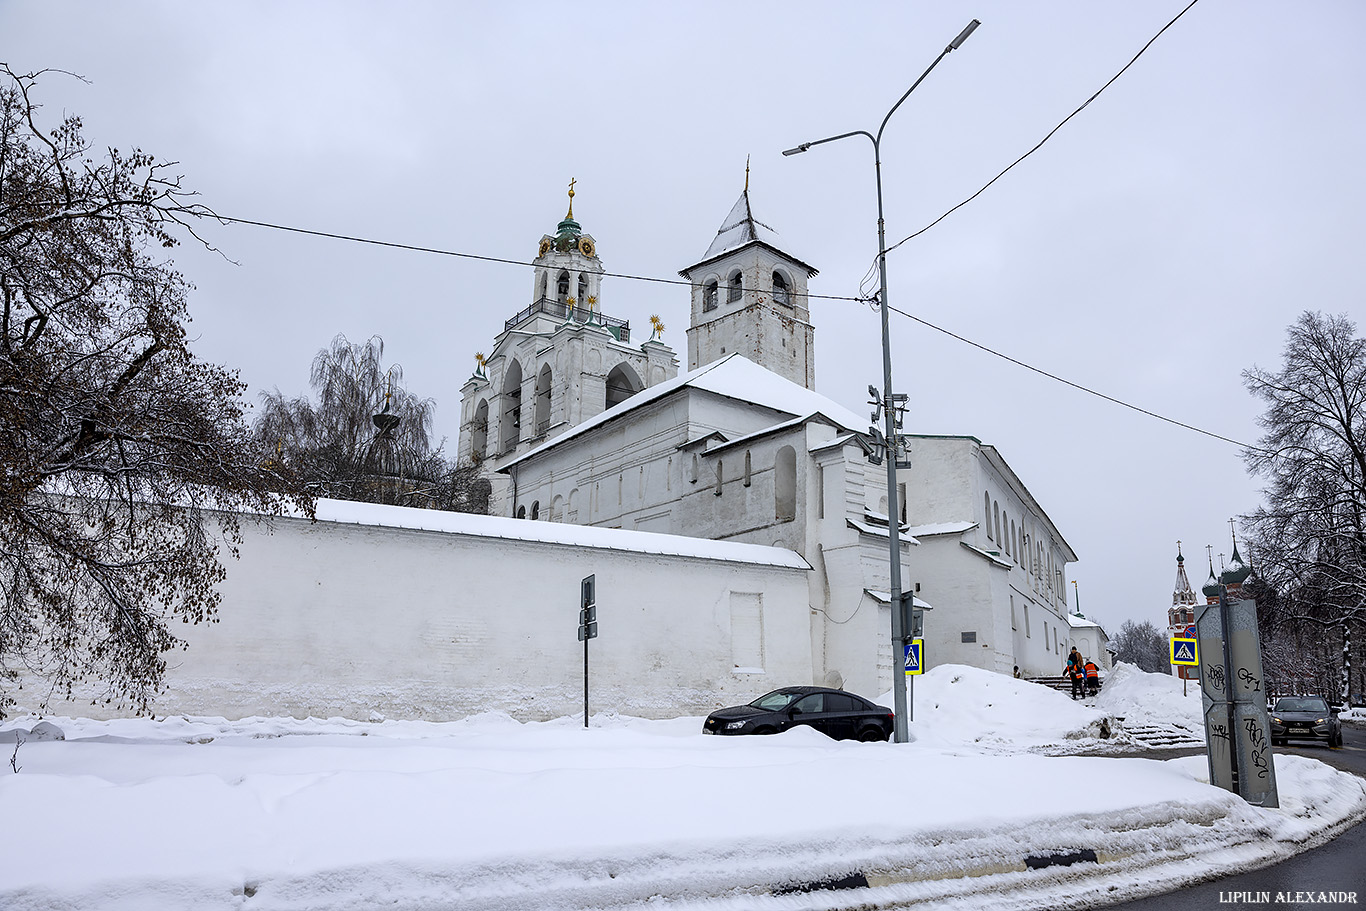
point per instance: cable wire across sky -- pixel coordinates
(863, 299)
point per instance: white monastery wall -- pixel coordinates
(351, 618)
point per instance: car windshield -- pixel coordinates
(1302, 704)
(776, 701)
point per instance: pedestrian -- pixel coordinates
(1017, 672)
(1076, 672)
(1092, 678)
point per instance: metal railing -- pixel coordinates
(557, 309)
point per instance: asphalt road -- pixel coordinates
(1339, 866)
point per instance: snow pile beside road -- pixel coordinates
(1142, 698)
(955, 705)
(491, 814)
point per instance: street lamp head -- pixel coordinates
(956, 43)
(801, 148)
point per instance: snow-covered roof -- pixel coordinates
(995, 560)
(1076, 621)
(740, 228)
(645, 542)
(941, 528)
(734, 377)
(877, 530)
(886, 598)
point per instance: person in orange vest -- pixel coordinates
(1092, 678)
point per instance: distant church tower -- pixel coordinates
(749, 297)
(1182, 612)
(558, 361)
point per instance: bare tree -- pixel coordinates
(1141, 645)
(124, 462)
(368, 438)
(1308, 539)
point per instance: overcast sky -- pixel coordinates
(1158, 245)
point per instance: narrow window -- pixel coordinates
(718, 477)
(521, 512)
(692, 475)
(820, 491)
(996, 519)
(781, 293)
(562, 287)
(1026, 616)
(785, 485)
(1012, 613)
(583, 289)
(901, 502)
(1005, 527)
(710, 294)
(986, 513)
(734, 291)
(748, 467)
(535, 509)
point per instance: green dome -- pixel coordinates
(1212, 588)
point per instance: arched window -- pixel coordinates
(622, 383)
(510, 425)
(710, 293)
(521, 512)
(479, 431)
(562, 287)
(536, 509)
(543, 386)
(782, 294)
(996, 518)
(1005, 527)
(986, 513)
(719, 477)
(785, 485)
(734, 290)
(583, 289)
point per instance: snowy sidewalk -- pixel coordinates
(492, 814)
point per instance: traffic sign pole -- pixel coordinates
(588, 628)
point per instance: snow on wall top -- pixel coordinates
(348, 512)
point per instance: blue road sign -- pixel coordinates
(915, 650)
(1184, 652)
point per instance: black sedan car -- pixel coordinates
(1305, 718)
(834, 713)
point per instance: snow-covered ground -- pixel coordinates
(490, 813)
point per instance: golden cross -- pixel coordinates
(572, 181)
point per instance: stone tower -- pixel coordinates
(558, 361)
(750, 297)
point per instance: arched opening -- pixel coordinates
(622, 383)
(556, 509)
(785, 485)
(535, 509)
(986, 514)
(734, 289)
(479, 431)
(711, 293)
(782, 294)
(562, 287)
(541, 286)
(510, 423)
(543, 387)
(521, 512)
(583, 289)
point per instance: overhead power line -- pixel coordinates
(417, 248)
(1050, 133)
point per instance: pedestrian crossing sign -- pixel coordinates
(1184, 652)
(915, 651)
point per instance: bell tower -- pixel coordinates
(750, 297)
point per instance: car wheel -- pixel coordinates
(872, 735)
(765, 731)
(1278, 742)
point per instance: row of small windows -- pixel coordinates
(711, 291)
(784, 480)
(1017, 544)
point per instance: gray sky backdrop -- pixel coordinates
(1159, 244)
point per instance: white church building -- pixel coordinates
(742, 448)
(736, 527)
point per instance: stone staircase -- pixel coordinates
(1061, 683)
(1164, 736)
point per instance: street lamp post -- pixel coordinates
(901, 704)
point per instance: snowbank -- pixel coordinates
(490, 813)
